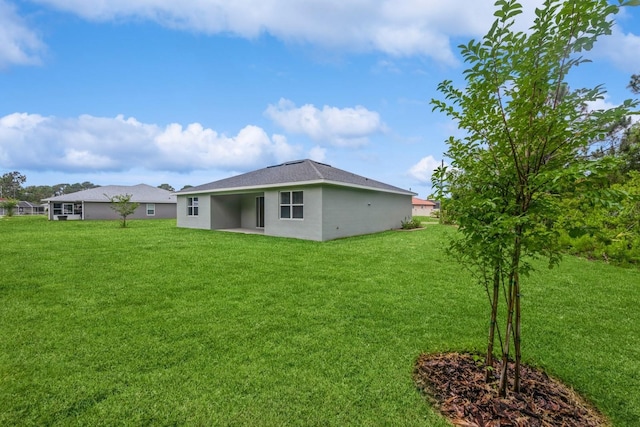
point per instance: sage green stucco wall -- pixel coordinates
(94, 210)
(330, 212)
(202, 220)
(248, 210)
(225, 211)
(310, 227)
(351, 212)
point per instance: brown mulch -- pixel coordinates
(456, 385)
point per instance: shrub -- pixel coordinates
(9, 206)
(410, 224)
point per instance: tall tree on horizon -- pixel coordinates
(11, 184)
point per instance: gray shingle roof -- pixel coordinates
(295, 172)
(141, 193)
(24, 204)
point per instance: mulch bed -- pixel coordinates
(455, 384)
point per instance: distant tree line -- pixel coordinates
(609, 230)
(11, 187)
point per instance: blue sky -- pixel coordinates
(185, 93)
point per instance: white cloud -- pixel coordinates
(600, 104)
(395, 27)
(346, 127)
(604, 104)
(21, 121)
(86, 159)
(398, 28)
(319, 154)
(19, 45)
(386, 66)
(622, 49)
(423, 170)
(282, 150)
(88, 143)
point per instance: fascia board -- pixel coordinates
(292, 184)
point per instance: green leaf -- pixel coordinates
(525, 132)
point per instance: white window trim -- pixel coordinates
(67, 208)
(290, 205)
(153, 209)
(193, 208)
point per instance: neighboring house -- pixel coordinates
(302, 199)
(422, 207)
(94, 203)
(28, 208)
(24, 208)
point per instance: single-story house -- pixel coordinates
(422, 207)
(28, 208)
(301, 199)
(24, 208)
(94, 203)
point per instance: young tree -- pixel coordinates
(9, 206)
(524, 131)
(123, 205)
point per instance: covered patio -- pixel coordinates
(243, 230)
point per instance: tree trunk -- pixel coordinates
(502, 388)
(515, 265)
(492, 328)
(516, 338)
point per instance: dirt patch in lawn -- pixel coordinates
(455, 384)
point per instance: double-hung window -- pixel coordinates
(151, 209)
(192, 206)
(291, 205)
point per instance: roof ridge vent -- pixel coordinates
(293, 162)
(323, 164)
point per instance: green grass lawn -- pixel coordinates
(427, 219)
(156, 325)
